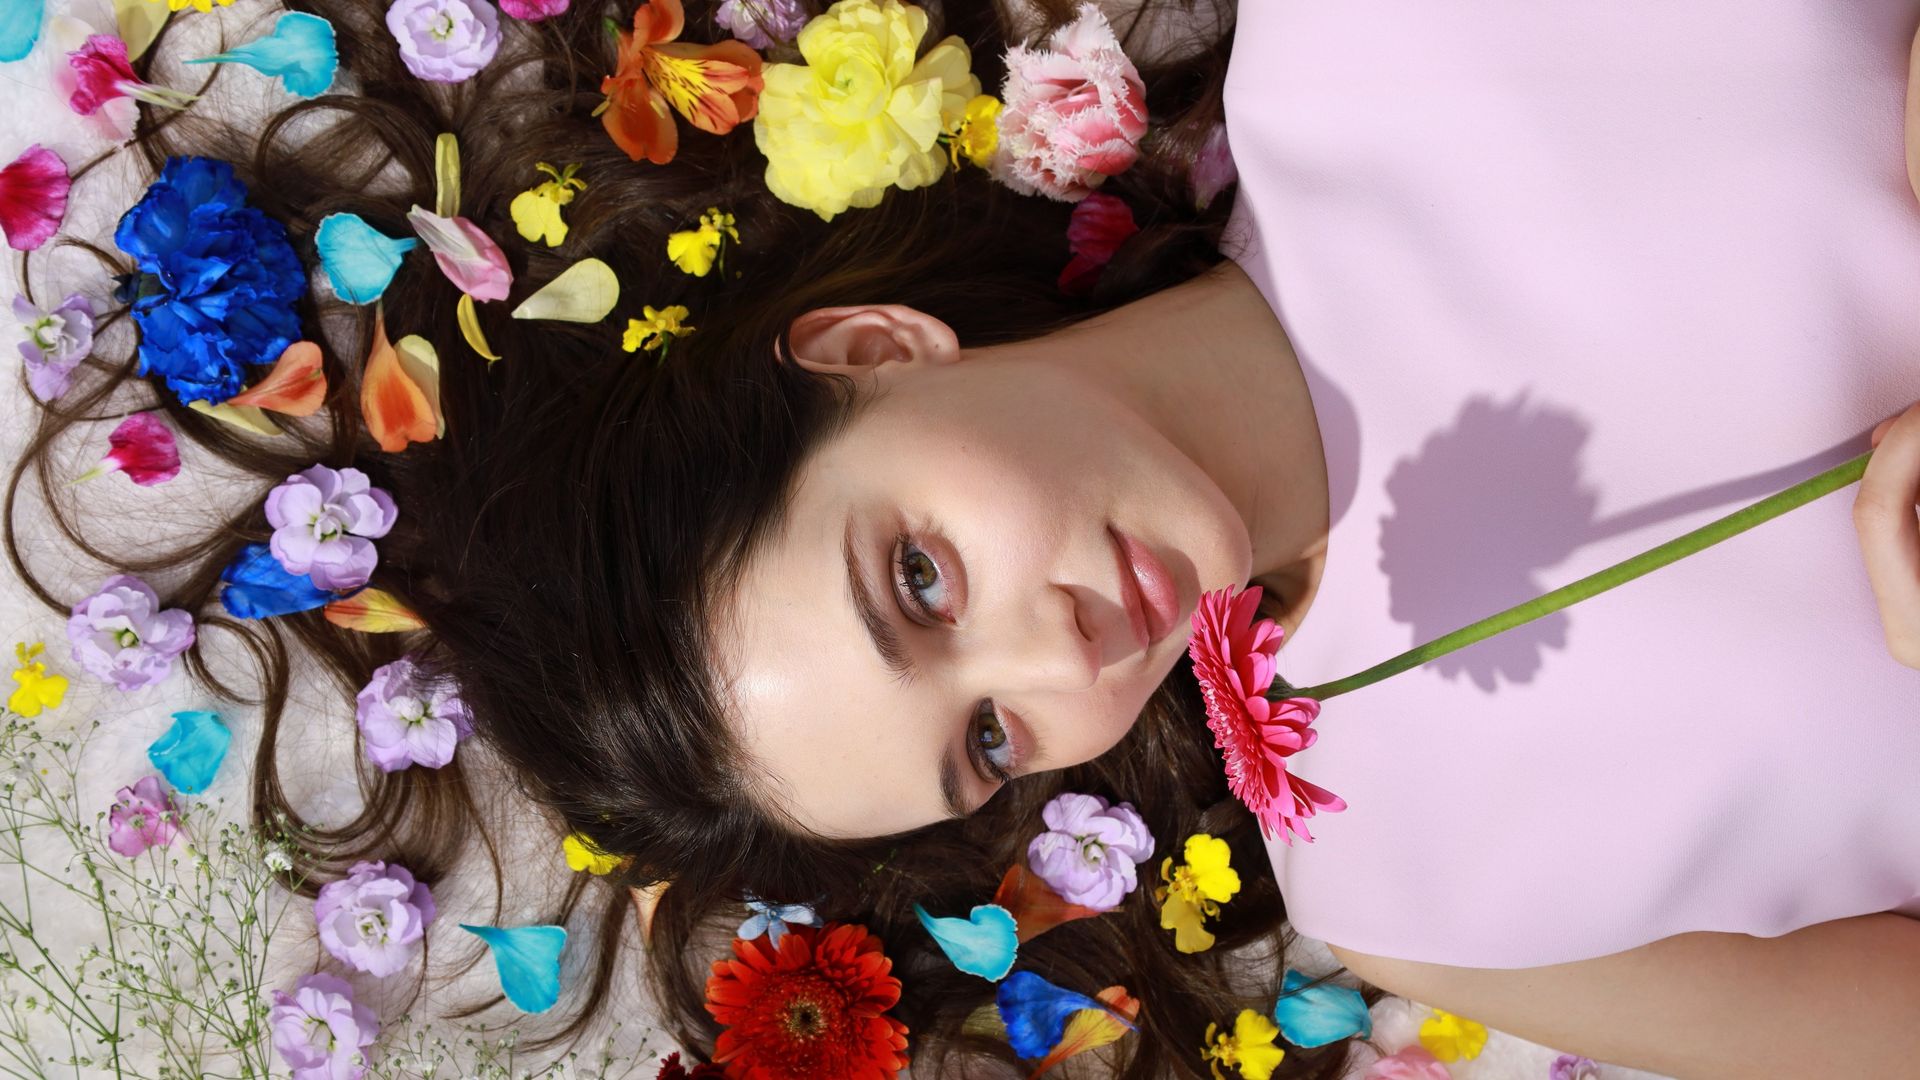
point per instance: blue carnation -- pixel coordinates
(217, 283)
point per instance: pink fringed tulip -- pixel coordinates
(143, 448)
(102, 74)
(33, 198)
(1075, 112)
(143, 816)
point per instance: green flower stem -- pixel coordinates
(1594, 584)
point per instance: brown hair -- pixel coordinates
(567, 538)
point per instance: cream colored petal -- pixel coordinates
(244, 417)
(585, 292)
(421, 362)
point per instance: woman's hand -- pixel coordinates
(1886, 513)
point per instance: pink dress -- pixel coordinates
(1569, 280)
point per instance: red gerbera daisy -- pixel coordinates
(1233, 659)
(812, 1008)
(671, 1069)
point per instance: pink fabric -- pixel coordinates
(1569, 280)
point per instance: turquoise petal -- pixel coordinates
(300, 51)
(360, 260)
(528, 958)
(1317, 1015)
(1036, 1011)
(191, 751)
(982, 944)
(19, 27)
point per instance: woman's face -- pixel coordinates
(984, 575)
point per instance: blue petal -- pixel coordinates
(259, 588)
(300, 51)
(19, 27)
(359, 259)
(1036, 1011)
(528, 958)
(191, 751)
(982, 944)
(1317, 1015)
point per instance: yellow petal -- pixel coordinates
(583, 854)
(584, 293)
(694, 250)
(1090, 1029)
(537, 216)
(421, 361)
(373, 611)
(139, 22)
(244, 417)
(1452, 1038)
(446, 175)
(470, 328)
(1185, 920)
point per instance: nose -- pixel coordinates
(1043, 646)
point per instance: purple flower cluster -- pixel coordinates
(373, 919)
(324, 524)
(321, 1032)
(1088, 852)
(408, 717)
(120, 634)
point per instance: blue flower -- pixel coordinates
(984, 943)
(217, 284)
(259, 588)
(359, 259)
(528, 959)
(1036, 1011)
(191, 751)
(773, 919)
(300, 50)
(1311, 1015)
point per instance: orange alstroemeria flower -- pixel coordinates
(296, 386)
(394, 406)
(716, 87)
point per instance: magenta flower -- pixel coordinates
(409, 718)
(1088, 852)
(1213, 168)
(373, 919)
(55, 342)
(534, 10)
(1573, 1067)
(102, 74)
(445, 40)
(1233, 659)
(324, 524)
(761, 23)
(143, 448)
(120, 634)
(1099, 225)
(33, 197)
(320, 1031)
(1075, 112)
(143, 816)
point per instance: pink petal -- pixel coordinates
(144, 449)
(102, 71)
(469, 258)
(33, 197)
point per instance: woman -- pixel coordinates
(902, 535)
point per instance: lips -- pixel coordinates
(1152, 599)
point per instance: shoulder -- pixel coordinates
(1702, 1005)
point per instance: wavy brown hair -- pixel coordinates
(568, 539)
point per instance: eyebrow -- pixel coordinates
(893, 652)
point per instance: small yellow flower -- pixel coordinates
(197, 5)
(583, 854)
(695, 249)
(37, 690)
(1250, 1048)
(536, 211)
(656, 329)
(977, 133)
(1452, 1038)
(1195, 891)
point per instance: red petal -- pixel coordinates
(33, 197)
(296, 386)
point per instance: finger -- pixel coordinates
(1889, 532)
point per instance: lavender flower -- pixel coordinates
(444, 40)
(324, 524)
(408, 718)
(55, 343)
(760, 23)
(774, 919)
(1089, 851)
(121, 635)
(143, 816)
(320, 1031)
(1573, 1067)
(373, 919)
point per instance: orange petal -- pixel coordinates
(1033, 903)
(1090, 1029)
(373, 611)
(296, 386)
(661, 20)
(396, 410)
(639, 120)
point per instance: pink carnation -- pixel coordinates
(1233, 659)
(1075, 112)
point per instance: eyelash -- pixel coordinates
(904, 587)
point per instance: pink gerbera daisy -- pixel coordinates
(1233, 659)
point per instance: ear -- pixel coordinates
(849, 340)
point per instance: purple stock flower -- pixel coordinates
(324, 524)
(1089, 851)
(760, 23)
(373, 919)
(120, 634)
(320, 1031)
(143, 816)
(444, 40)
(55, 343)
(410, 718)
(1573, 1067)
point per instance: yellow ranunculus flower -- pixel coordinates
(1194, 892)
(1452, 1038)
(1250, 1048)
(861, 115)
(978, 132)
(583, 855)
(695, 249)
(656, 328)
(536, 211)
(37, 690)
